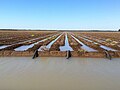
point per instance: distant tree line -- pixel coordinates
(119, 30)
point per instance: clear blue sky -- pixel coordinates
(60, 14)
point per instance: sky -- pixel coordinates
(60, 14)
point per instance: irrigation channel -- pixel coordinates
(56, 73)
(67, 46)
(101, 46)
(42, 48)
(99, 41)
(52, 43)
(85, 47)
(25, 47)
(4, 46)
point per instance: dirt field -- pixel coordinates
(57, 43)
(10, 37)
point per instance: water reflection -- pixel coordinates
(85, 47)
(66, 47)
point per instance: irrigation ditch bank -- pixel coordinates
(10, 53)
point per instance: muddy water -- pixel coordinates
(50, 73)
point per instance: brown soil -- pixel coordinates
(113, 36)
(74, 44)
(10, 53)
(37, 46)
(90, 44)
(28, 43)
(58, 43)
(10, 37)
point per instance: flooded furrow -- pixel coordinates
(26, 47)
(96, 38)
(23, 42)
(47, 47)
(107, 48)
(3, 46)
(76, 46)
(51, 43)
(59, 42)
(106, 44)
(85, 47)
(67, 46)
(101, 46)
